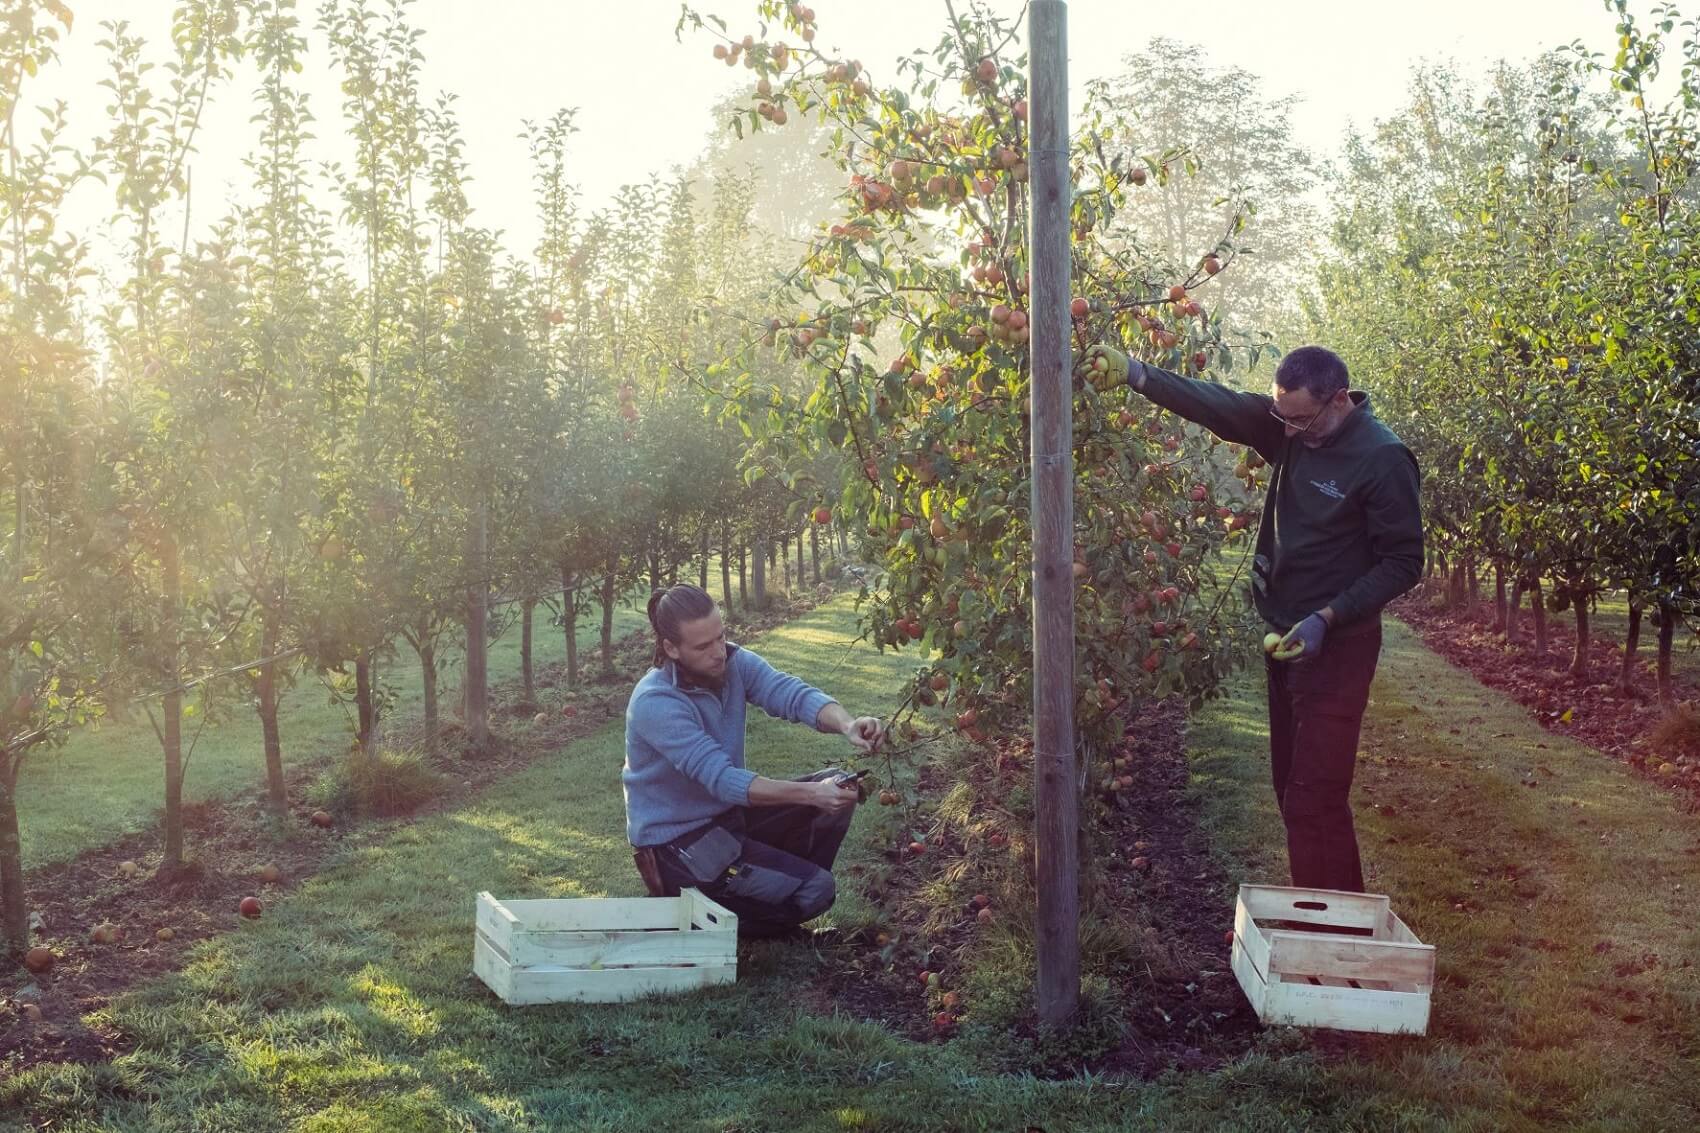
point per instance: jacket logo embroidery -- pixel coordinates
(1330, 489)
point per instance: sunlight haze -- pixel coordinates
(644, 98)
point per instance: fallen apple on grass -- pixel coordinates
(250, 907)
(39, 959)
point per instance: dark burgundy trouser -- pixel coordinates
(1316, 709)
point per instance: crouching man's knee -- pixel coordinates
(815, 896)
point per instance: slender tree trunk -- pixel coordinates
(428, 671)
(814, 552)
(525, 674)
(172, 711)
(800, 561)
(1579, 659)
(1498, 598)
(1631, 646)
(14, 912)
(758, 579)
(843, 543)
(477, 643)
(725, 566)
(569, 620)
(655, 567)
(1539, 609)
(1667, 636)
(743, 576)
(1455, 586)
(608, 624)
(785, 562)
(277, 796)
(1512, 629)
(702, 569)
(364, 704)
(1472, 580)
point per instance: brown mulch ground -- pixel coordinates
(231, 840)
(1182, 1006)
(1590, 710)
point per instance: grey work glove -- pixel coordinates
(1304, 641)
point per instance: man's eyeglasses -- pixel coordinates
(1293, 424)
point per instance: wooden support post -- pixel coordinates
(1056, 784)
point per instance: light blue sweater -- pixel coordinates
(685, 745)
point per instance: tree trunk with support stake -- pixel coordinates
(364, 705)
(14, 910)
(171, 709)
(1538, 607)
(1579, 606)
(608, 623)
(725, 566)
(569, 620)
(758, 574)
(266, 698)
(1631, 645)
(477, 644)
(1498, 598)
(529, 686)
(1667, 635)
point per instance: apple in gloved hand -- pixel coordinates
(1106, 367)
(1302, 642)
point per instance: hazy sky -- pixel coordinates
(643, 97)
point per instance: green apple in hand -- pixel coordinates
(1106, 367)
(1272, 646)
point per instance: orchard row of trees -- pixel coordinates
(325, 433)
(1516, 271)
(909, 315)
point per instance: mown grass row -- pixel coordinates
(350, 1005)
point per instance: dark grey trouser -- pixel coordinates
(782, 877)
(1316, 709)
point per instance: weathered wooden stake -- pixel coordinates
(1056, 784)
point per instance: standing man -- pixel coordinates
(1341, 536)
(695, 816)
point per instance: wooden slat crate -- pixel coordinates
(603, 950)
(1381, 982)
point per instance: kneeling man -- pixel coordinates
(696, 816)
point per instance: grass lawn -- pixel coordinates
(350, 1006)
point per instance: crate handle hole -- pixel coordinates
(1317, 906)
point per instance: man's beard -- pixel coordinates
(712, 681)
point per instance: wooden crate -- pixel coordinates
(1381, 982)
(603, 950)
